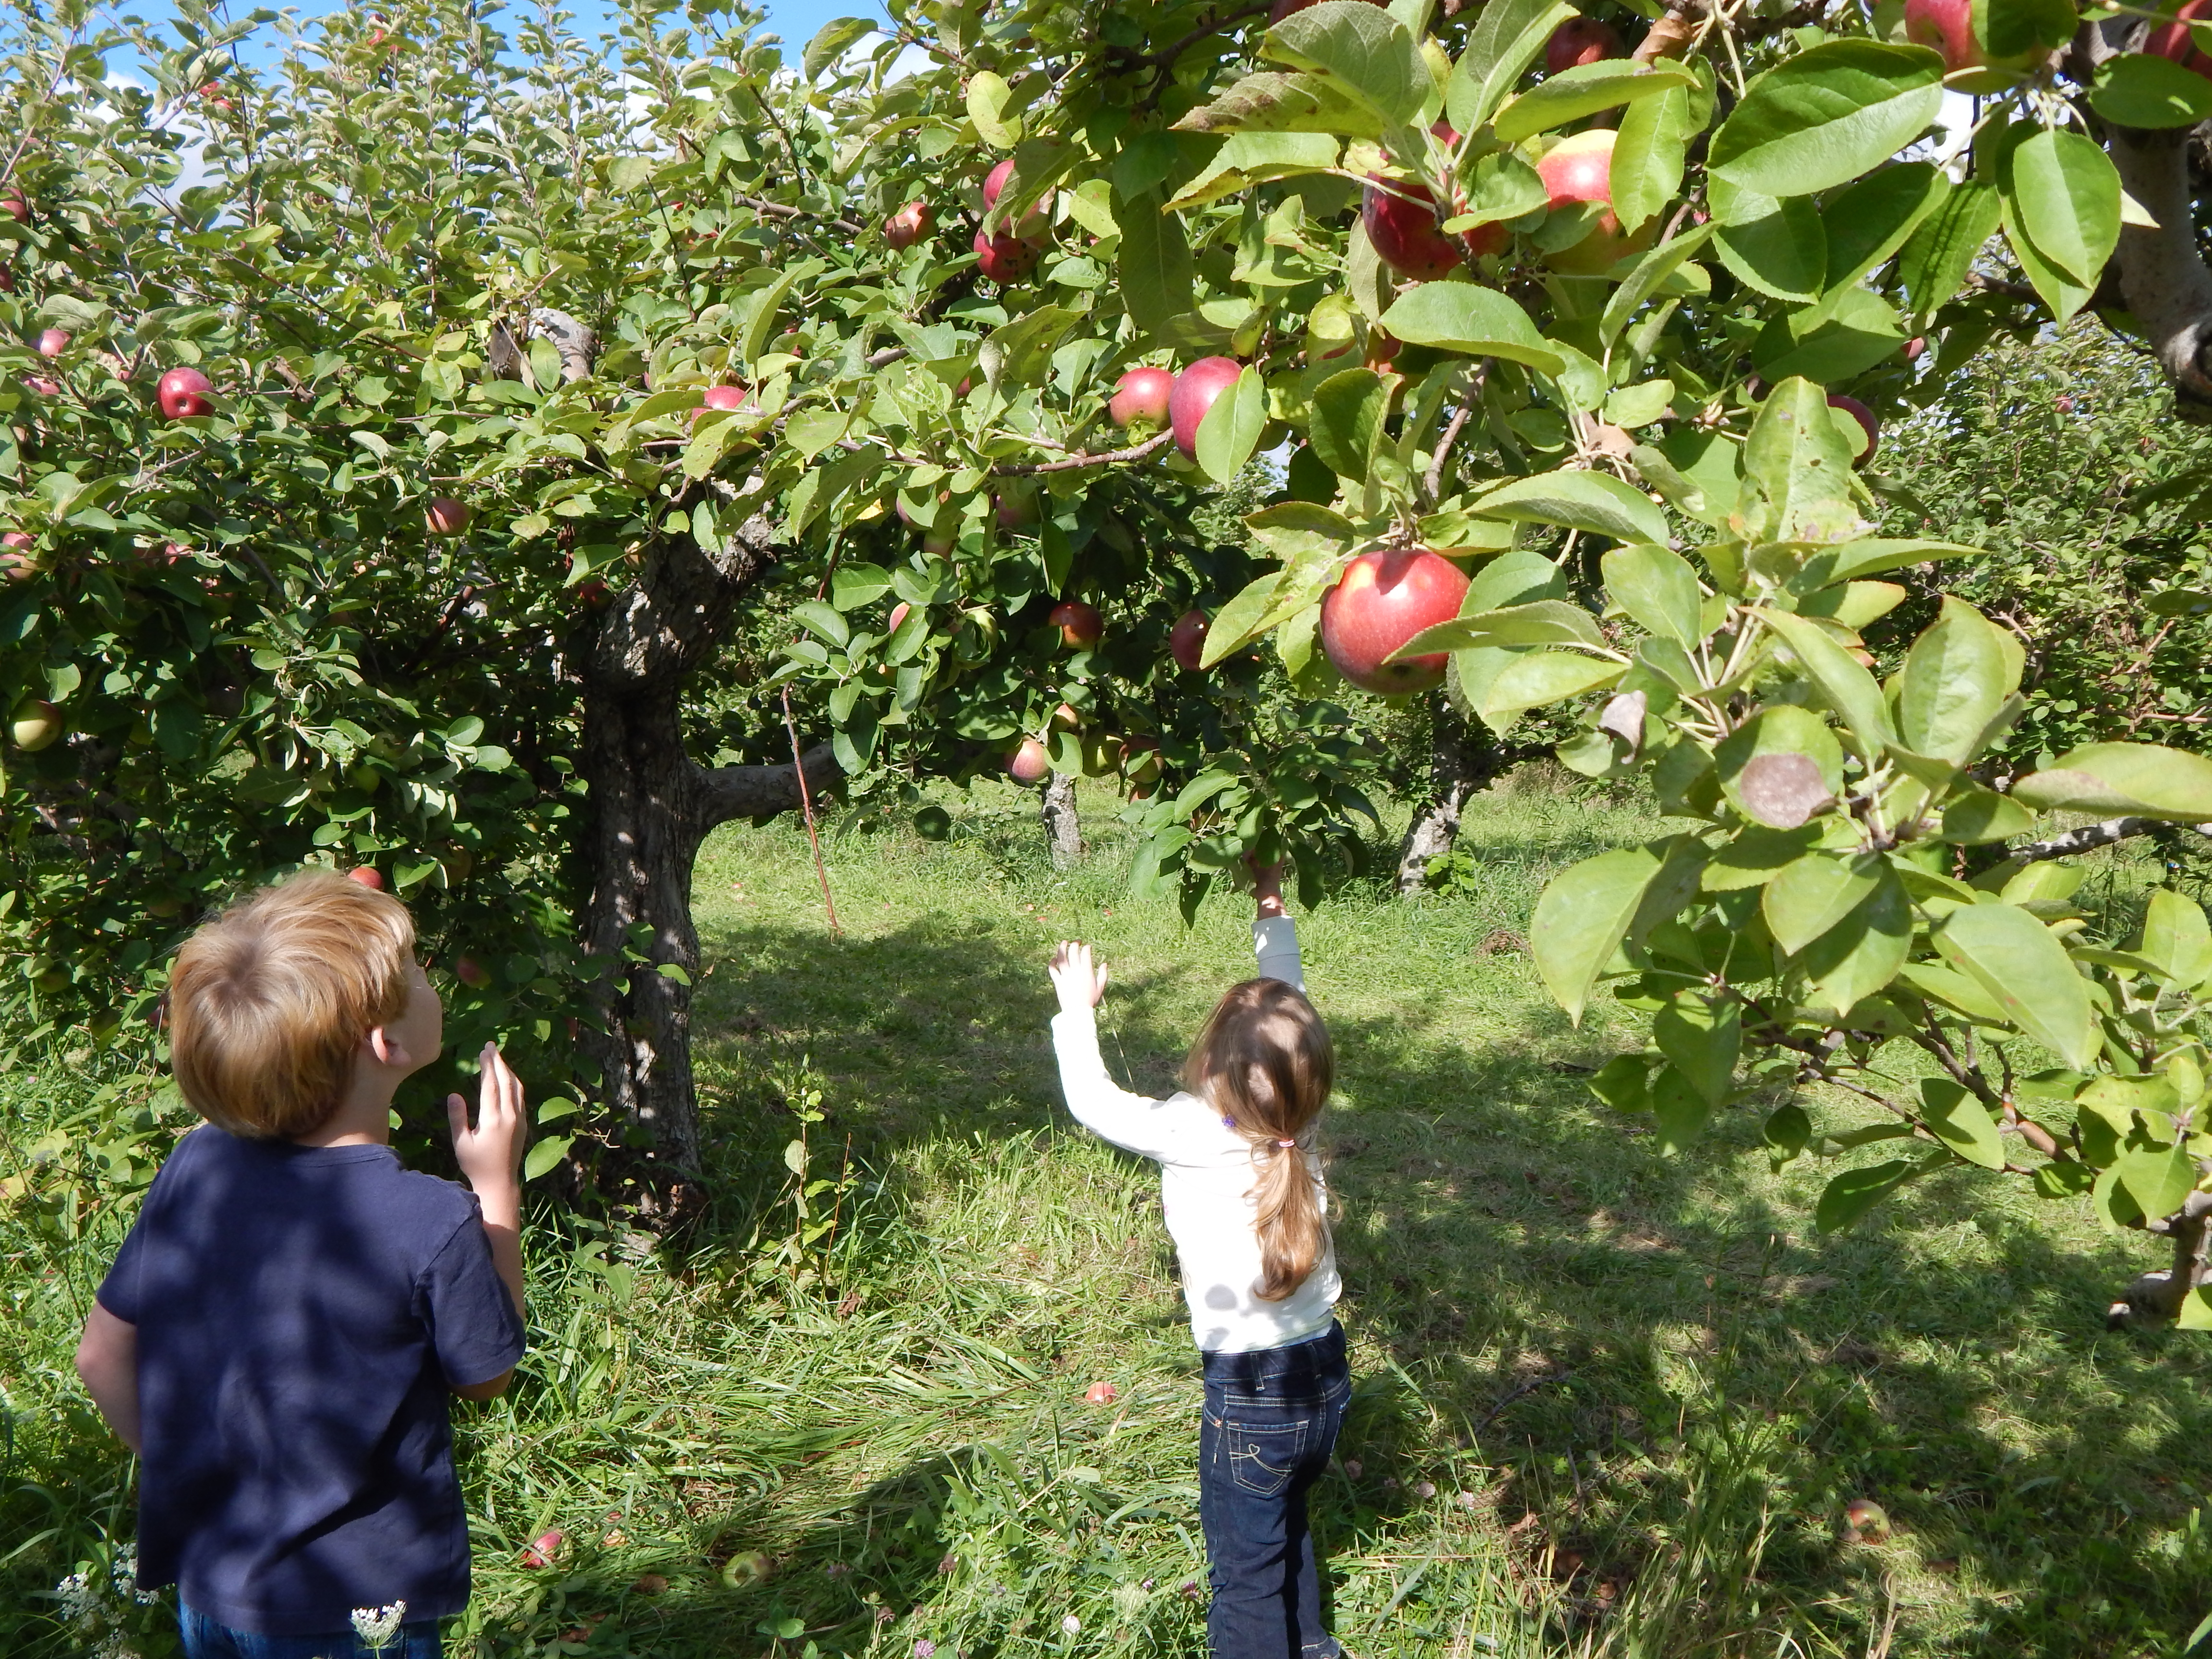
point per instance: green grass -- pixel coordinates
(1606, 1402)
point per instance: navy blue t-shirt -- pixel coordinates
(302, 1312)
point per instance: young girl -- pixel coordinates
(1245, 1202)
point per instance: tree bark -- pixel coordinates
(2156, 1298)
(1463, 756)
(1063, 832)
(650, 807)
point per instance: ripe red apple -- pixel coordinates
(1194, 393)
(211, 93)
(1869, 1523)
(7, 280)
(1581, 40)
(1030, 763)
(1141, 396)
(43, 386)
(471, 973)
(898, 615)
(1914, 347)
(1403, 226)
(1948, 27)
(1101, 1393)
(725, 397)
(1067, 718)
(2172, 40)
(994, 184)
(184, 391)
(595, 593)
(366, 875)
(17, 563)
(1580, 169)
(1081, 625)
(1382, 601)
(1007, 259)
(35, 725)
(544, 1547)
(1859, 412)
(908, 225)
(53, 343)
(446, 517)
(1186, 639)
(12, 203)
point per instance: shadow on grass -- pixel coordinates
(1562, 1307)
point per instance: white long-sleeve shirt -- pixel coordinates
(1206, 1178)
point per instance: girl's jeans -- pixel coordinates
(205, 1639)
(1271, 1421)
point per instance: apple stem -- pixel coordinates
(806, 809)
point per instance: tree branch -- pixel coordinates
(760, 205)
(749, 792)
(664, 624)
(2091, 836)
(1073, 462)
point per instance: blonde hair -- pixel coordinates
(1265, 1063)
(269, 1002)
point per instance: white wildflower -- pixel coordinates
(77, 1598)
(1071, 1623)
(378, 1627)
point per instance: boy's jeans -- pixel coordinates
(205, 1639)
(1271, 1422)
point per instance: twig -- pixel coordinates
(1149, 447)
(759, 205)
(806, 809)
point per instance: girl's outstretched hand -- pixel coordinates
(1267, 887)
(1078, 976)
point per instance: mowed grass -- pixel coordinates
(1606, 1402)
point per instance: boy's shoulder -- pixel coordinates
(368, 1183)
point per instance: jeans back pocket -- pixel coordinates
(1263, 1456)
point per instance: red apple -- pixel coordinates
(1866, 1520)
(1007, 259)
(1186, 639)
(1141, 396)
(725, 397)
(446, 517)
(1580, 169)
(1194, 393)
(938, 543)
(1067, 718)
(1914, 347)
(53, 343)
(1081, 625)
(1403, 228)
(1101, 1393)
(7, 280)
(1030, 763)
(595, 593)
(184, 391)
(908, 225)
(994, 184)
(1581, 40)
(471, 973)
(898, 615)
(43, 386)
(1015, 512)
(12, 203)
(2172, 40)
(1948, 26)
(1859, 412)
(366, 875)
(35, 725)
(544, 1547)
(18, 563)
(1382, 601)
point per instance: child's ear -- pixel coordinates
(386, 1048)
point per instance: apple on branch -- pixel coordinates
(1579, 169)
(446, 516)
(1081, 625)
(908, 225)
(183, 392)
(35, 725)
(1382, 599)
(1581, 40)
(1194, 393)
(1140, 399)
(1187, 640)
(1030, 763)
(1865, 417)
(53, 343)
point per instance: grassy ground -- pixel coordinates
(1606, 1402)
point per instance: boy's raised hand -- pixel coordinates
(491, 1154)
(1080, 979)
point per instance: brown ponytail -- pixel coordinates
(1265, 1063)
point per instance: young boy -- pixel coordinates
(280, 1328)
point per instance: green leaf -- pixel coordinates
(1862, 954)
(2110, 778)
(1231, 429)
(1624, 1083)
(2158, 1178)
(2176, 938)
(1702, 1039)
(1509, 36)
(1797, 469)
(2015, 959)
(824, 621)
(1853, 1193)
(1579, 500)
(1464, 316)
(1869, 221)
(1658, 588)
(2065, 195)
(1781, 766)
(1956, 678)
(1546, 621)
(1364, 48)
(1680, 1111)
(1756, 855)
(1866, 557)
(1581, 918)
(1826, 116)
(1972, 816)
(545, 1155)
(1843, 684)
(811, 431)
(1153, 263)
(1641, 283)
(1934, 262)
(1648, 153)
(1584, 90)
(1545, 676)
(1806, 899)
(857, 584)
(1253, 158)
(1348, 413)
(1954, 991)
(1779, 247)
(2142, 89)
(832, 40)
(1843, 335)
(1787, 1131)
(987, 94)
(1270, 102)
(1961, 1121)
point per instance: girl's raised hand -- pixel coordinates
(1078, 976)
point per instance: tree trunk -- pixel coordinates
(650, 807)
(2155, 1298)
(1063, 832)
(1463, 756)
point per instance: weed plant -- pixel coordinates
(1607, 1403)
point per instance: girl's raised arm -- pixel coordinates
(1134, 1121)
(1274, 935)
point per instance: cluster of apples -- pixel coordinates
(1136, 755)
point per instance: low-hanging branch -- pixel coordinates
(2090, 836)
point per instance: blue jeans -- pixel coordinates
(1271, 1421)
(205, 1639)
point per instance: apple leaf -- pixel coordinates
(2064, 193)
(2142, 89)
(1364, 48)
(2025, 970)
(1154, 261)
(1230, 430)
(1826, 116)
(1252, 158)
(1577, 500)
(1463, 316)
(2143, 779)
(1509, 36)
(1584, 90)
(832, 41)
(1778, 247)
